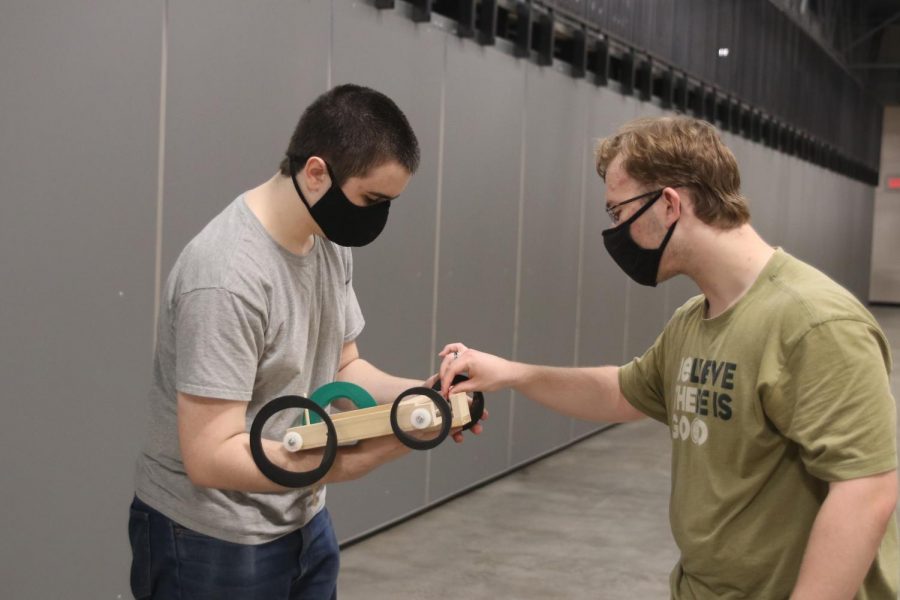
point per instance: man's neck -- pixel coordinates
(725, 264)
(283, 214)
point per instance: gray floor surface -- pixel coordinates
(588, 522)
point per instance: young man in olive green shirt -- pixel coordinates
(773, 383)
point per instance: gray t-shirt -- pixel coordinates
(243, 319)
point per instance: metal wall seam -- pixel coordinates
(160, 166)
(437, 250)
(520, 224)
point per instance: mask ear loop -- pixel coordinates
(668, 235)
(334, 183)
(641, 211)
(294, 181)
(297, 185)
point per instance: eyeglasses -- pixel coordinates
(613, 210)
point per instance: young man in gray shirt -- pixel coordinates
(259, 305)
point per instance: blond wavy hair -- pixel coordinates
(668, 151)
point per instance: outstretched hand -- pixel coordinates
(486, 372)
(446, 376)
(457, 432)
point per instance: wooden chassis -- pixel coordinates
(354, 425)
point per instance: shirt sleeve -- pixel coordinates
(218, 343)
(641, 382)
(353, 317)
(833, 399)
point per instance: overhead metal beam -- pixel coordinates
(876, 65)
(870, 33)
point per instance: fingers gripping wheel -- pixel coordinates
(413, 442)
(292, 479)
(476, 409)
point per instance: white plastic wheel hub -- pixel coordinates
(292, 441)
(420, 418)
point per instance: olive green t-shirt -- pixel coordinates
(768, 402)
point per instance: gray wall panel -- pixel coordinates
(813, 182)
(805, 218)
(848, 225)
(764, 195)
(78, 177)
(820, 195)
(795, 218)
(831, 229)
(855, 224)
(647, 109)
(858, 229)
(556, 112)
(479, 233)
(818, 216)
(394, 276)
(857, 259)
(602, 302)
(864, 197)
(739, 146)
(837, 209)
(772, 202)
(847, 220)
(839, 220)
(885, 247)
(781, 175)
(239, 76)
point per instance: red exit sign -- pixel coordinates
(893, 183)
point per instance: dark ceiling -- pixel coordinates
(862, 35)
(874, 55)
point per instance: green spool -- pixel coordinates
(336, 390)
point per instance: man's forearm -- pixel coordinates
(231, 466)
(845, 537)
(384, 387)
(589, 393)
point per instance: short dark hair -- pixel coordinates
(354, 129)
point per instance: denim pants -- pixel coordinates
(171, 562)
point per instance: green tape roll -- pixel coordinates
(336, 390)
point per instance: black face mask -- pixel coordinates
(343, 222)
(640, 264)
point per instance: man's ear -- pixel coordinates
(316, 174)
(673, 201)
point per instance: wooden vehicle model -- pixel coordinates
(420, 417)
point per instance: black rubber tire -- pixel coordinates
(276, 474)
(442, 406)
(476, 409)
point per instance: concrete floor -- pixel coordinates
(588, 522)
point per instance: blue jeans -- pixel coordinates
(171, 562)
